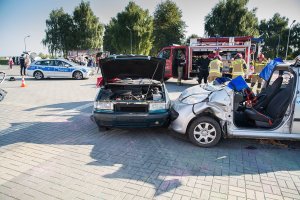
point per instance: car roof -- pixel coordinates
(62, 59)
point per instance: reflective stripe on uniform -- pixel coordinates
(215, 67)
(237, 67)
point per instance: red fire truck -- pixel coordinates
(227, 47)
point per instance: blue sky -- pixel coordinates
(19, 18)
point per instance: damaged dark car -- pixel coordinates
(133, 93)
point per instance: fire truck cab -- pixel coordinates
(226, 47)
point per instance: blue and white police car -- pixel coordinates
(58, 68)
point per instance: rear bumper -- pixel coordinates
(131, 119)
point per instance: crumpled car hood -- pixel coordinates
(222, 96)
(197, 89)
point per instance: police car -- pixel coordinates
(58, 68)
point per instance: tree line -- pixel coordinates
(135, 30)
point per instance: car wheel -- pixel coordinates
(204, 132)
(78, 75)
(38, 75)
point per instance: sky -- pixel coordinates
(19, 18)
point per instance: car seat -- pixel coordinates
(265, 97)
(274, 111)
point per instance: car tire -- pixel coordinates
(204, 132)
(78, 75)
(38, 75)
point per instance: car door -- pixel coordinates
(64, 69)
(53, 69)
(295, 126)
(46, 69)
(166, 54)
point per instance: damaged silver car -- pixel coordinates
(207, 113)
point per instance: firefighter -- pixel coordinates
(215, 68)
(239, 66)
(203, 64)
(258, 66)
(180, 69)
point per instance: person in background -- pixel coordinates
(90, 64)
(22, 65)
(258, 66)
(100, 60)
(215, 68)
(27, 63)
(239, 66)
(10, 63)
(203, 64)
(181, 65)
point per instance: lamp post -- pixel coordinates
(25, 41)
(287, 45)
(130, 38)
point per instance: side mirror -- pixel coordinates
(66, 65)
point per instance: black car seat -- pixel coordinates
(265, 97)
(274, 111)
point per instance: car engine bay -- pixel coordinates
(132, 93)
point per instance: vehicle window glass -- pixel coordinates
(38, 63)
(286, 75)
(45, 62)
(66, 64)
(52, 63)
(59, 63)
(165, 54)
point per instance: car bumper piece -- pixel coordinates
(131, 119)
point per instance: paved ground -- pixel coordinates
(49, 149)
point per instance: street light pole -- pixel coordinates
(130, 38)
(287, 45)
(25, 41)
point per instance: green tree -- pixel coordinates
(231, 18)
(132, 22)
(108, 37)
(59, 29)
(169, 28)
(88, 31)
(275, 33)
(294, 41)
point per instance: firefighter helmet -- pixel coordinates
(238, 55)
(218, 57)
(261, 56)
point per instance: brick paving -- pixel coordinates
(50, 149)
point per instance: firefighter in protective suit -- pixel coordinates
(258, 66)
(238, 66)
(215, 68)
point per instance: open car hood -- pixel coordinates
(133, 67)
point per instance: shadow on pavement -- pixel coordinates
(151, 156)
(61, 106)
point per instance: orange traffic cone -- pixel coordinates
(23, 82)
